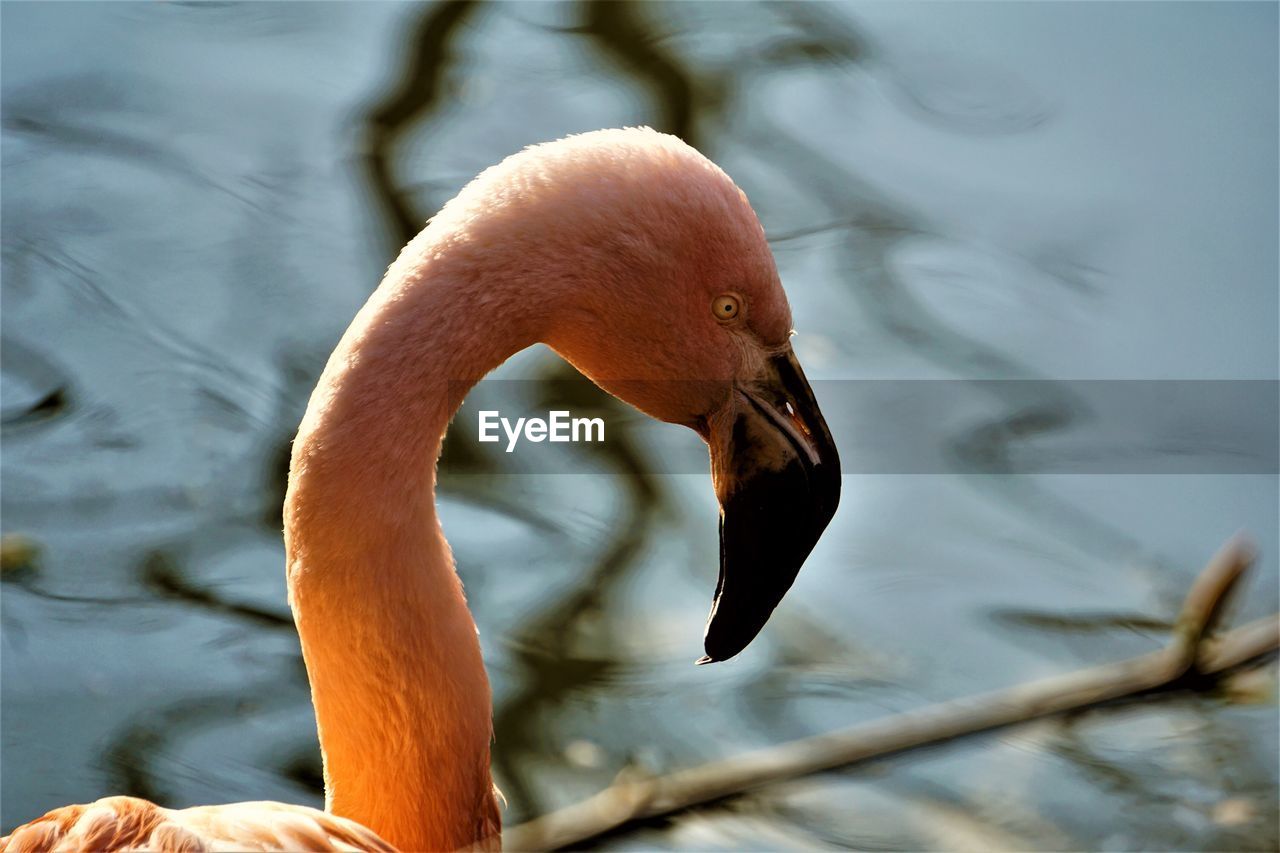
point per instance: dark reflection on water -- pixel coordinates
(165, 581)
(420, 92)
(570, 645)
(197, 197)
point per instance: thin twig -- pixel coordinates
(1188, 653)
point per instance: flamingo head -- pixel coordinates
(668, 298)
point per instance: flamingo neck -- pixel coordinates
(401, 696)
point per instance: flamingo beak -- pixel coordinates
(777, 476)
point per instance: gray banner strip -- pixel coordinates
(908, 427)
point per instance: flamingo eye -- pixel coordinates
(726, 306)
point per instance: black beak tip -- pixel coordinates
(728, 633)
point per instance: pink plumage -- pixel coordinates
(640, 262)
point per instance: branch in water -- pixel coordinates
(1190, 658)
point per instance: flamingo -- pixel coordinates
(641, 263)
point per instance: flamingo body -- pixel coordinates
(641, 263)
(128, 823)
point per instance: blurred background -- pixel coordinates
(198, 197)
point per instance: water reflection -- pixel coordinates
(199, 196)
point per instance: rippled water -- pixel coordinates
(197, 198)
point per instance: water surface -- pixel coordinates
(198, 197)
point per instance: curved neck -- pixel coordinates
(401, 697)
